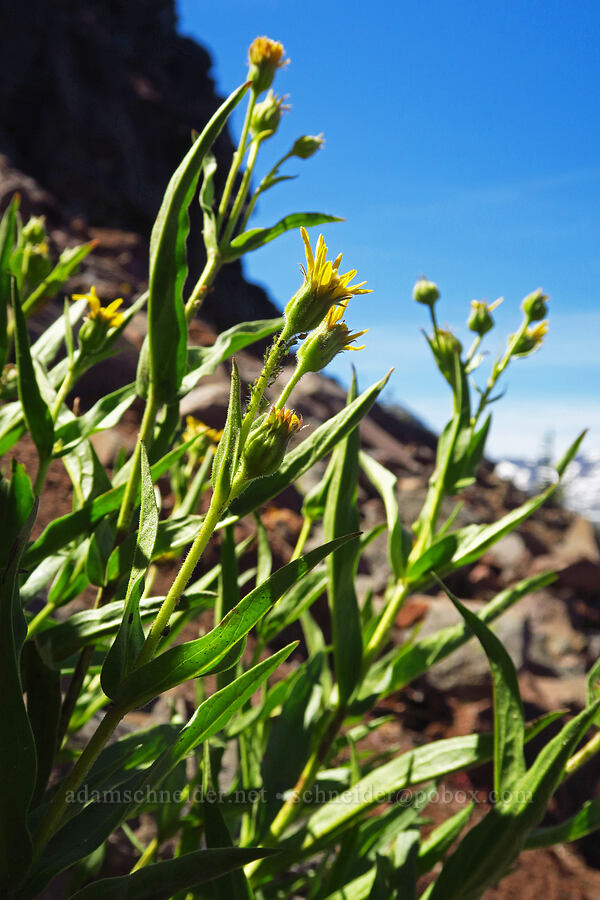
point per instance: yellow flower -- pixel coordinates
(330, 338)
(265, 57)
(105, 314)
(323, 287)
(194, 428)
(333, 323)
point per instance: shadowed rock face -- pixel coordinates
(97, 102)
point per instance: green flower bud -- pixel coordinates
(534, 306)
(426, 292)
(34, 231)
(266, 445)
(265, 57)
(445, 346)
(530, 340)
(332, 337)
(266, 115)
(480, 321)
(92, 335)
(307, 145)
(322, 288)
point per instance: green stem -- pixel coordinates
(273, 359)
(209, 273)
(147, 856)
(584, 755)
(260, 188)
(64, 389)
(473, 349)
(242, 193)
(180, 583)
(237, 158)
(52, 819)
(302, 537)
(131, 488)
(381, 633)
(498, 369)
(34, 624)
(298, 373)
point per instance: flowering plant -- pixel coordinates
(298, 816)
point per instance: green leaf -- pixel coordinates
(213, 714)
(161, 880)
(474, 540)
(167, 331)
(258, 237)
(399, 540)
(120, 659)
(198, 657)
(67, 528)
(509, 724)
(106, 413)
(202, 361)
(489, 849)
(17, 748)
(319, 444)
(36, 413)
(51, 340)
(67, 265)
(41, 683)
(341, 517)
(7, 242)
(206, 198)
(434, 847)
(435, 557)
(584, 822)
(412, 660)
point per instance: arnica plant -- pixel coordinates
(300, 808)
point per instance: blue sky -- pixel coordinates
(463, 142)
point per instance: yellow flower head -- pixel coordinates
(323, 287)
(334, 324)
(195, 428)
(285, 420)
(265, 56)
(108, 315)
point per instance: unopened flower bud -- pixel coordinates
(99, 321)
(34, 231)
(267, 114)
(426, 292)
(534, 306)
(267, 442)
(480, 320)
(445, 347)
(307, 145)
(530, 340)
(331, 337)
(265, 57)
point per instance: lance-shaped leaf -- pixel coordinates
(41, 683)
(167, 331)
(66, 528)
(198, 657)
(202, 361)
(433, 849)
(7, 241)
(489, 849)
(509, 725)
(103, 414)
(584, 822)
(17, 748)
(391, 674)
(124, 651)
(399, 540)
(36, 413)
(320, 443)
(258, 237)
(341, 517)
